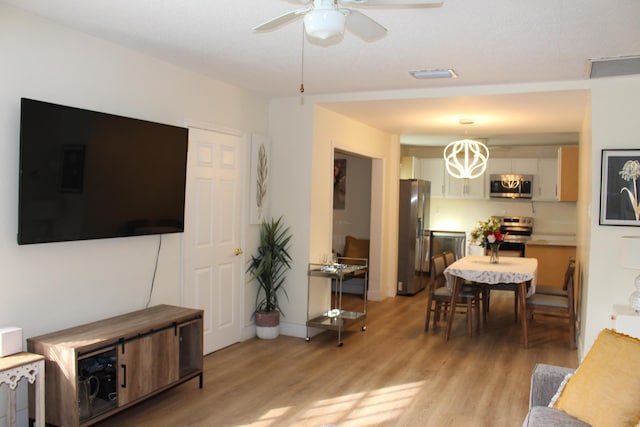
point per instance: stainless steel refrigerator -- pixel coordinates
(413, 236)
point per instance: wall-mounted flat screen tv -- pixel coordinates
(91, 175)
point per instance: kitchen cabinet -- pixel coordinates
(465, 188)
(519, 166)
(407, 167)
(557, 178)
(568, 174)
(433, 170)
(553, 258)
(546, 180)
(95, 370)
(444, 185)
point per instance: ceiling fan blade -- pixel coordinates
(396, 3)
(363, 26)
(281, 20)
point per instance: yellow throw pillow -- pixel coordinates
(605, 389)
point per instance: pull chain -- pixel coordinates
(302, 70)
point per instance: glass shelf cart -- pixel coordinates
(335, 318)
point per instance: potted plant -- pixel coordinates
(268, 267)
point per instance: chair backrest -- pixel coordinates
(568, 274)
(449, 257)
(438, 265)
(568, 283)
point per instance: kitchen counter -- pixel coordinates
(550, 242)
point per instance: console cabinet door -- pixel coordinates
(147, 364)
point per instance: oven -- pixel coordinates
(518, 231)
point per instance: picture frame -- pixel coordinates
(259, 185)
(619, 204)
(339, 183)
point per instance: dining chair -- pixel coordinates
(439, 296)
(449, 258)
(556, 307)
(470, 287)
(512, 287)
(556, 290)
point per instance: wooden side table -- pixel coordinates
(23, 365)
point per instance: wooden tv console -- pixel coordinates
(133, 356)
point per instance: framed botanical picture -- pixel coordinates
(339, 183)
(259, 185)
(619, 203)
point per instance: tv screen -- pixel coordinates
(91, 175)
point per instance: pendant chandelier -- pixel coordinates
(467, 158)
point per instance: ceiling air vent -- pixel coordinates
(446, 73)
(609, 67)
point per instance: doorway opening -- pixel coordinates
(351, 209)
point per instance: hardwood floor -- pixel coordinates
(394, 374)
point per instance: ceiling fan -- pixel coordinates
(324, 19)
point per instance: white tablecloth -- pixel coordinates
(508, 270)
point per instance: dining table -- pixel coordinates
(520, 271)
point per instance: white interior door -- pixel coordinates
(213, 261)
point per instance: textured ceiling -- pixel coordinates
(487, 42)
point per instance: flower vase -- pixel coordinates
(495, 257)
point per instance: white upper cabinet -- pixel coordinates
(433, 170)
(520, 166)
(525, 166)
(444, 185)
(545, 183)
(465, 188)
(498, 166)
(554, 179)
(557, 178)
(408, 167)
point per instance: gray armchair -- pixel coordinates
(545, 381)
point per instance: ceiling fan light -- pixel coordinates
(323, 24)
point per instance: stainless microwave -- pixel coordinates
(512, 186)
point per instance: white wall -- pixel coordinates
(303, 141)
(615, 103)
(333, 131)
(550, 218)
(46, 287)
(291, 130)
(585, 200)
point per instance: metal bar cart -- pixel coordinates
(337, 319)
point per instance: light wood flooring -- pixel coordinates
(394, 374)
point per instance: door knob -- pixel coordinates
(237, 251)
